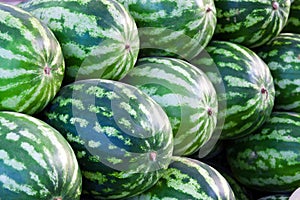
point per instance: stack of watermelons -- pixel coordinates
(149, 100)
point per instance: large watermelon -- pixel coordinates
(186, 95)
(282, 55)
(269, 159)
(122, 138)
(173, 28)
(249, 89)
(31, 62)
(98, 37)
(251, 23)
(36, 162)
(293, 23)
(187, 179)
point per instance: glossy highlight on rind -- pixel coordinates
(116, 132)
(36, 162)
(99, 38)
(173, 28)
(249, 88)
(27, 49)
(186, 95)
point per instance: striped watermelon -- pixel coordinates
(282, 55)
(186, 95)
(173, 28)
(249, 89)
(98, 37)
(269, 160)
(189, 179)
(31, 62)
(122, 138)
(293, 23)
(36, 162)
(250, 23)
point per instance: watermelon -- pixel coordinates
(36, 162)
(269, 159)
(293, 23)
(121, 137)
(173, 28)
(31, 62)
(250, 23)
(189, 179)
(99, 38)
(186, 95)
(282, 55)
(249, 89)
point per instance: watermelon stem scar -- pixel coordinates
(275, 5)
(264, 91)
(208, 9)
(209, 112)
(152, 156)
(127, 47)
(47, 70)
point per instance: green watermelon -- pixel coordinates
(282, 55)
(189, 179)
(31, 62)
(293, 23)
(36, 162)
(99, 38)
(186, 95)
(122, 138)
(251, 23)
(173, 28)
(249, 89)
(269, 159)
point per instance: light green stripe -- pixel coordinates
(276, 120)
(173, 99)
(12, 185)
(9, 55)
(42, 188)
(233, 81)
(12, 136)
(7, 160)
(5, 36)
(14, 101)
(191, 188)
(290, 106)
(155, 74)
(8, 124)
(276, 180)
(38, 157)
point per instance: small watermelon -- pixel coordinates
(31, 62)
(99, 38)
